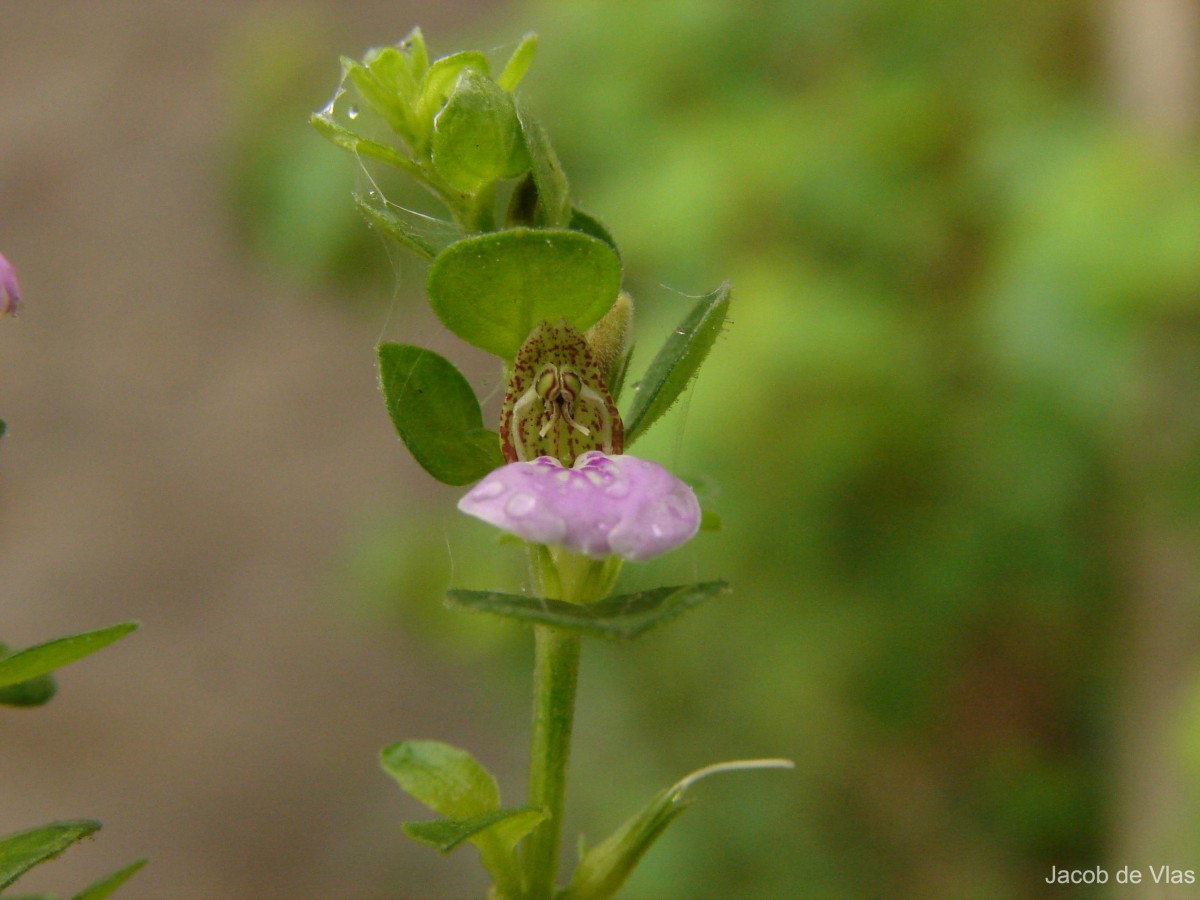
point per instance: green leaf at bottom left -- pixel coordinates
(22, 851)
(105, 886)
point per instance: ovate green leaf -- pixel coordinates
(676, 363)
(492, 290)
(446, 779)
(436, 414)
(450, 782)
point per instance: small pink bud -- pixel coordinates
(10, 293)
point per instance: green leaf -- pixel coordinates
(42, 658)
(589, 224)
(476, 135)
(436, 414)
(492, 290)
(553, 193)
(107, 885)
(445, 835)
(34, 692)
(676, 363)
(22, 851)
(361, 146)
(518, 64)
(605, 867)
(623, 618)
(438, 82)
(394, 226)
(446, 779)
(451, 783)
(381, 84)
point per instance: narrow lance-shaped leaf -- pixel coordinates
(394, 226)
(436, 414)
(361, 146)
(625, 617)
(605, 867)
(518, 64)
(106, 886)
(22, 851)
(42, 658)
(553, 192)
(677, 363)
(491, 290)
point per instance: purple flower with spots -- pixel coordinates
(602, 506)
(10, 294)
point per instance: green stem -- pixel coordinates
(560, 575)
(555, 675)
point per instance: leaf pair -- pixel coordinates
(622, 618)
(453, 784)
(432, 405)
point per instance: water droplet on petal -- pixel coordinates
(352, 112)
(618, 487)
(520, 504)
(487, 490)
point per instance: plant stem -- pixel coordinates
(555, 674)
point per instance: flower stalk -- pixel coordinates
(566, 576)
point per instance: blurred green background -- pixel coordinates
(952, 430)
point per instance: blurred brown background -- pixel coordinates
(189, 439)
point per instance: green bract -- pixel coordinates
(492, 290)
(476, 136)
(677, 362)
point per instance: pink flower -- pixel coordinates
(602, 506)
(10, 294)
